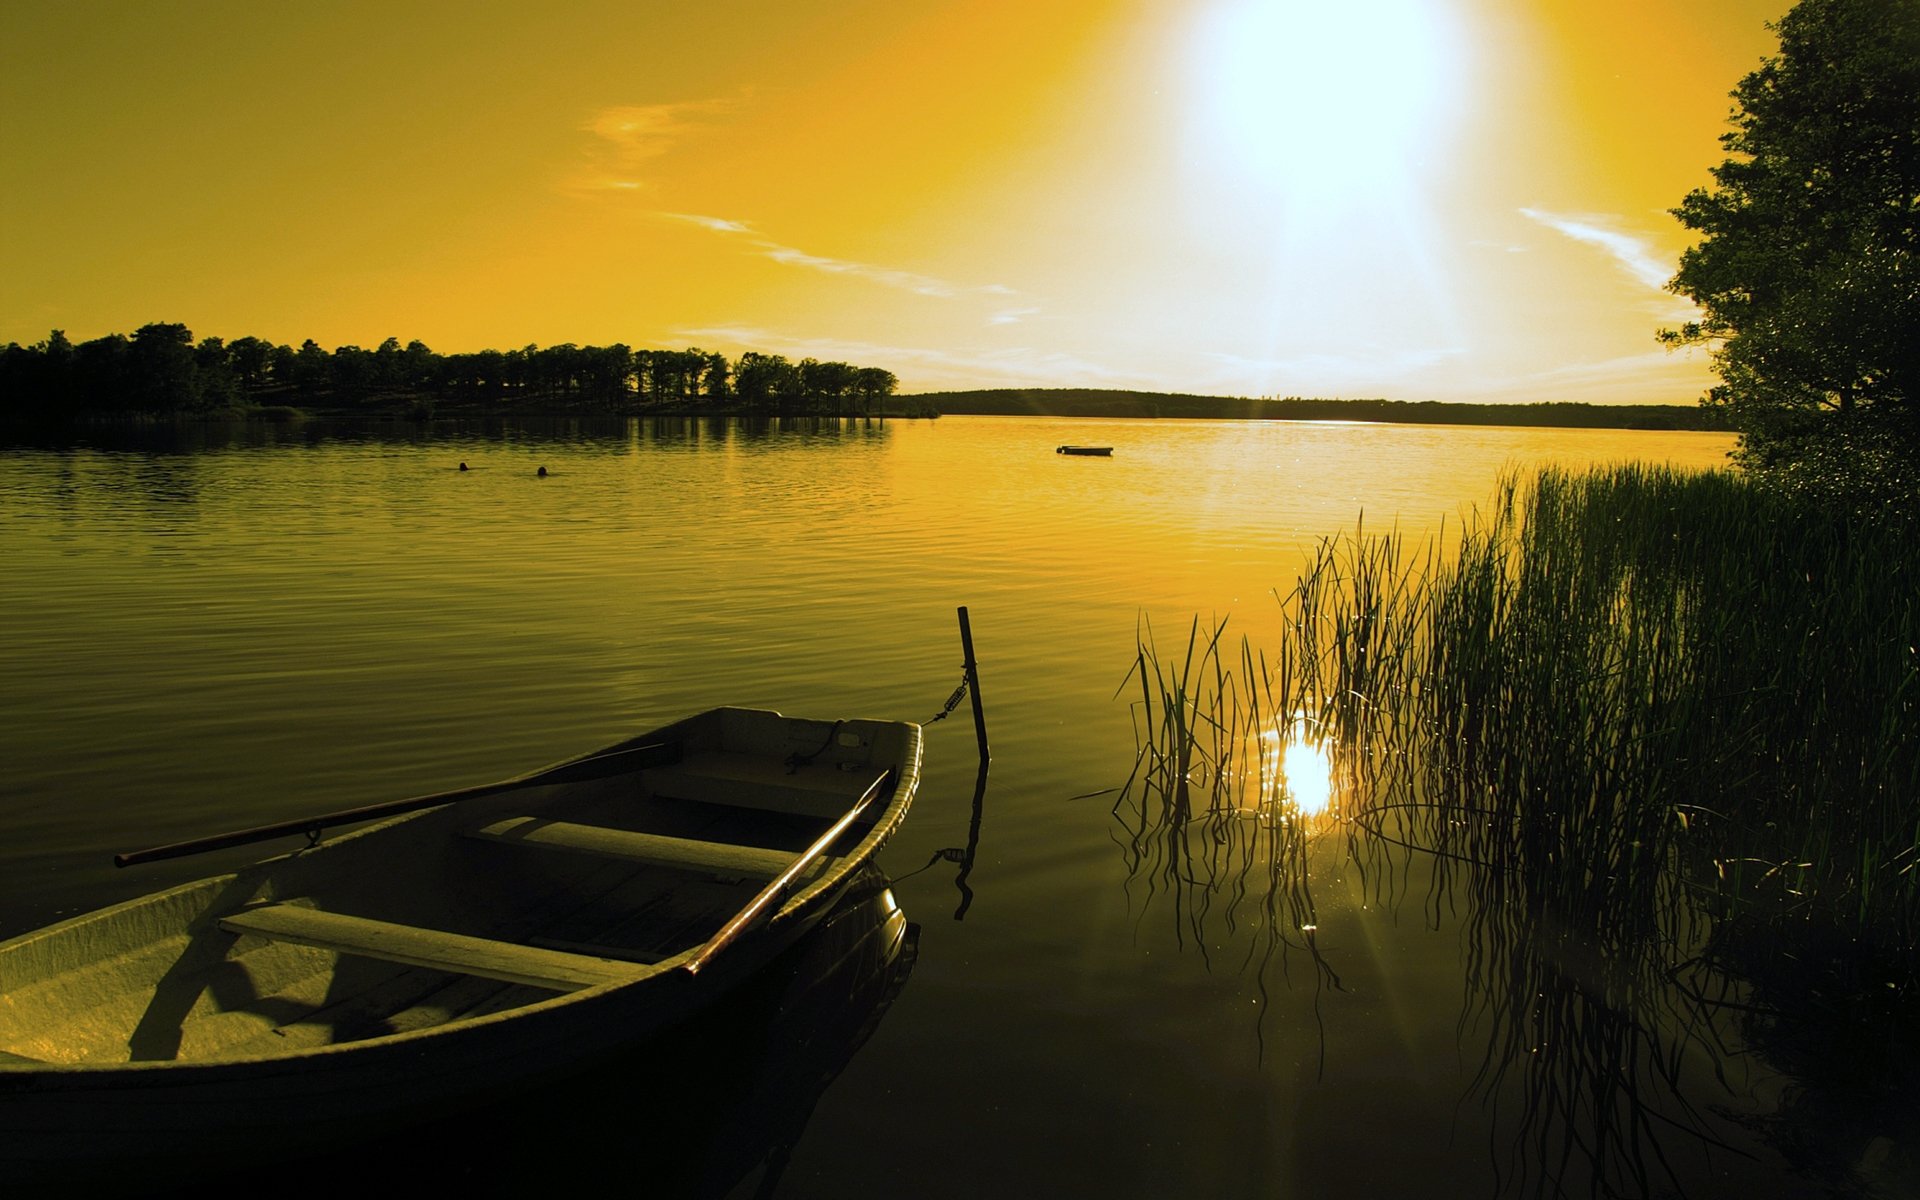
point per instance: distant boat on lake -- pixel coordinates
(1101, 451)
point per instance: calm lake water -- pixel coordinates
(221, 627)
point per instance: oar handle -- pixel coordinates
(597, 766)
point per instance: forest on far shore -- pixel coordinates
(1094, 402)
(162, 369)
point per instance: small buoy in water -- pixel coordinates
(463, 466)
(542, 472)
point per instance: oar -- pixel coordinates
(757, 907)
(598, 766)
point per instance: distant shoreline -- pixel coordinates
(1067, 403)
(1094, 402)
(424, 408)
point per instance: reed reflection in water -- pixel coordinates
(1584, 1013)
(1546, 720)
(1223, 804)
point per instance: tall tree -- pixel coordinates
(873, 385)
(719, 387)
(417, 364)
(219, 386)
(249, 357)
(609, 372)
(281, 366)
(355, 372)
(312, 367)
(1807, 271)
(166, 377)
(389, 368)
(762, 380)
(105, 373)
(827, 385)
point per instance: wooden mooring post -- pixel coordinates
(973, 687)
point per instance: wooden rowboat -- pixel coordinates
(696, 1110)
(485, 941)
(1102, 451)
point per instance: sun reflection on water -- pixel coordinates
(1299, 764)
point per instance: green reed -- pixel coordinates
(1656, 732)
(1634, 676)
(1745, 674)
(1211, 821)
(1615, 685)
(1659, 714)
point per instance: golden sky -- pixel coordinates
(1418, 199)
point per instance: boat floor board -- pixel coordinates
(417, 999)
(660, 925)
(451, 952)
(326, 1000)
(245, 999)
(685, 854)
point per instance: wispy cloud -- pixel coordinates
(629, 136)
(1011, 316)
(717, 224)
(922, 366)
(1630, 252)
(1452, 373)
(1653, 367)
(1650, 377)
(1633, 254)
(907, 281)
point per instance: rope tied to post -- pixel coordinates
(953, 701)
(796, 760)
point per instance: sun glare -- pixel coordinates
(1318, 99)
(1302, 766)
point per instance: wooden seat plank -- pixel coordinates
(455, 953)
(687, 854)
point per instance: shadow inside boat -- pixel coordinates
(696, 1112)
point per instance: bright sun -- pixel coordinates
(1320, 99)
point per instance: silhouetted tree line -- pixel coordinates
(1094, 402)
(160, 368)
